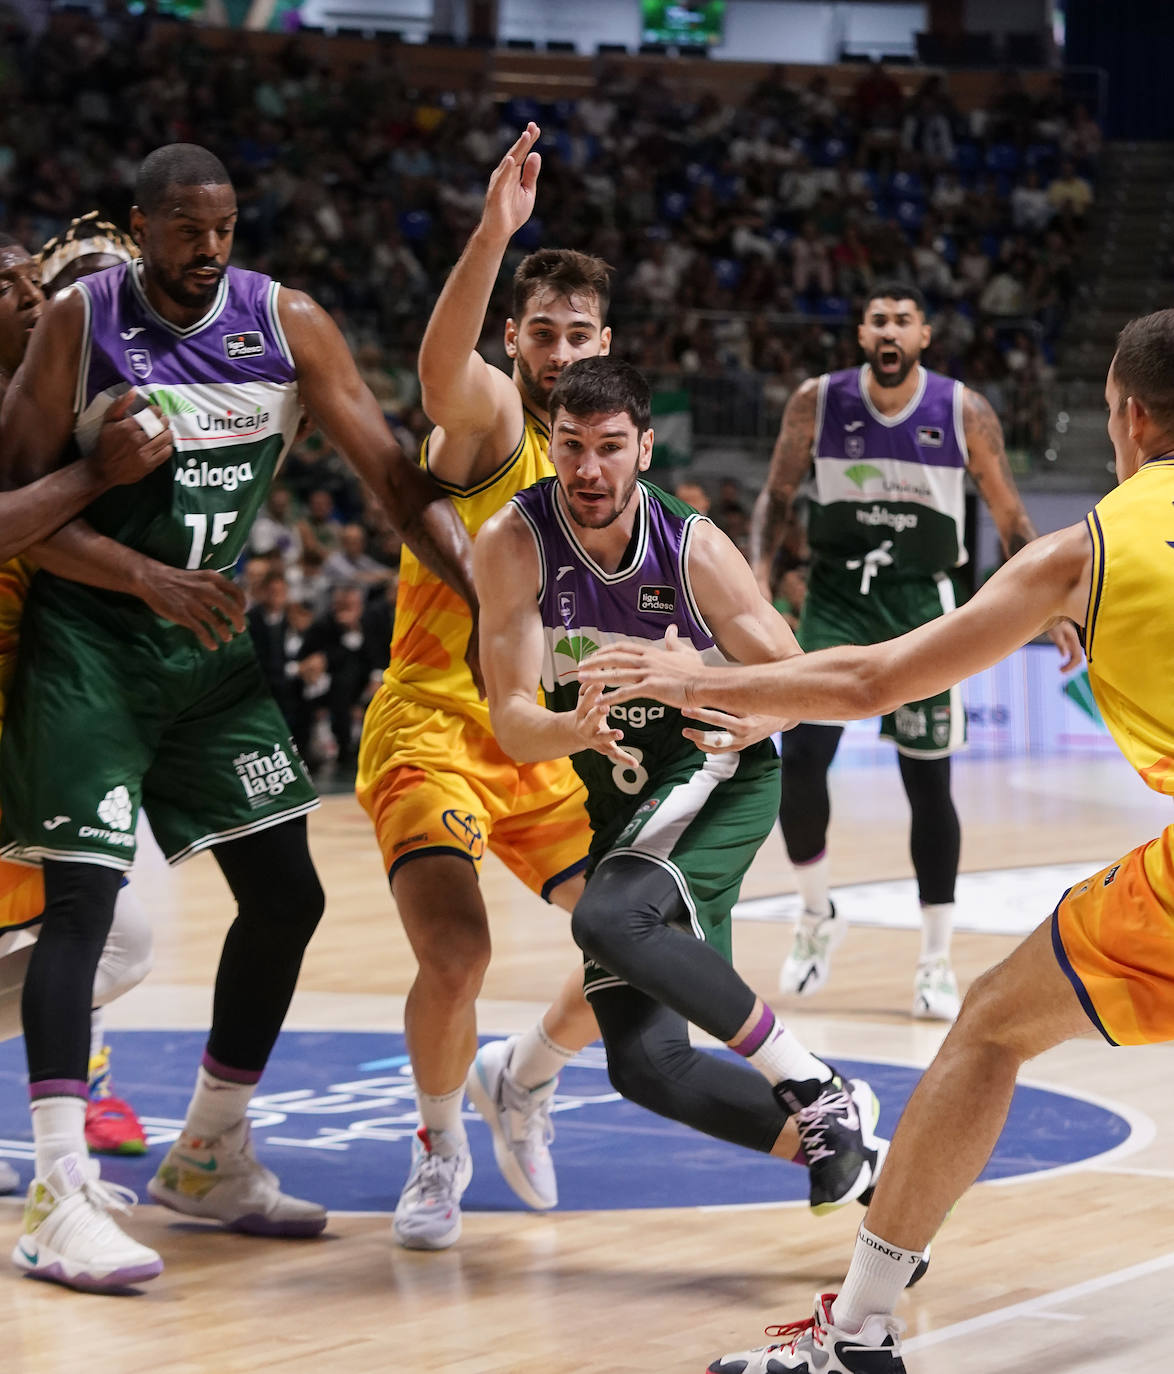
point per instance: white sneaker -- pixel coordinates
(428, 1213)
(222, 1180)
(9, 1178)
(70, 1238)
(519, 1119)
(805, 970)
(935, 992)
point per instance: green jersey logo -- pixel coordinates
(170, 402)
(576, 647)
(860, 474)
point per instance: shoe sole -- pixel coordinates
(250, 1224)
(58, 1271)
(479, 1095)
(410, 1242)
(866, 1178)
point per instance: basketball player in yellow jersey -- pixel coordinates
(1106, 955)
(431, 776)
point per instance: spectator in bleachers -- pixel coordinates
(338, 637)
(320, 528)
(811, 261)
(1070, 191)
(275, 530)
(351, 563)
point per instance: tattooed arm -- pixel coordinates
(992, 476)
(789, 464)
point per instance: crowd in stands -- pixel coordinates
(744, 238)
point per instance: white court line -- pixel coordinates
(1038, 1306)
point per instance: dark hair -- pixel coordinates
(566, 273)
(603, 386)
(176, 164)
(1143, 366)
(896, 291)
(7, 241)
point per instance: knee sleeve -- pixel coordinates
(127, 954)
(935, 836)
(651, 1062)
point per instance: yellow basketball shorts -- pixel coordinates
(436, 783)
(1113, 935)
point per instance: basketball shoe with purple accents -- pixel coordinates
(69, 1236)
(222, 1180)
(819, 1346)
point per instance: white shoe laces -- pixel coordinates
(434, 1178)
(528, 1112)
(815, 1121)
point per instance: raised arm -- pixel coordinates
(468, 400)
(1047, 580)
(35, 427)
(505, 562)
(789, 464)
(988, 466)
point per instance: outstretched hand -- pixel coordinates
(640, 670)
(509, 201)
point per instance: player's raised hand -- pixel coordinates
(592, 727)
(206, 602)
(509, 201)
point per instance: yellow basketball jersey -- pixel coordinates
(432, 623)
(14, 587)
(1128, 637)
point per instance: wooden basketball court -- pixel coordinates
(1025, 1276)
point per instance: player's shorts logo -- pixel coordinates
(264, 776)
(139, 361)
(463, 826)
(114, 809)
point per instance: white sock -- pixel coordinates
(937, 924)
(442, 1113)
(812, 880)
(97, 1033)
(59, 1129)
(537, 1058)
(781, 1056)
(216, 1106)
(876, 1279)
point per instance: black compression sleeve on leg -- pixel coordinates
(805, 808)
(651, 1062)
(59, 985)
(624, 921)
(935, 836)
(279, 903)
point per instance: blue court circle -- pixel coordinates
(336, 1113)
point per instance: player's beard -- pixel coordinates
(891, 379)
(603, 516)
(183, 291)
(538, 394)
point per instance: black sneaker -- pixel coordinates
(836, 1121)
